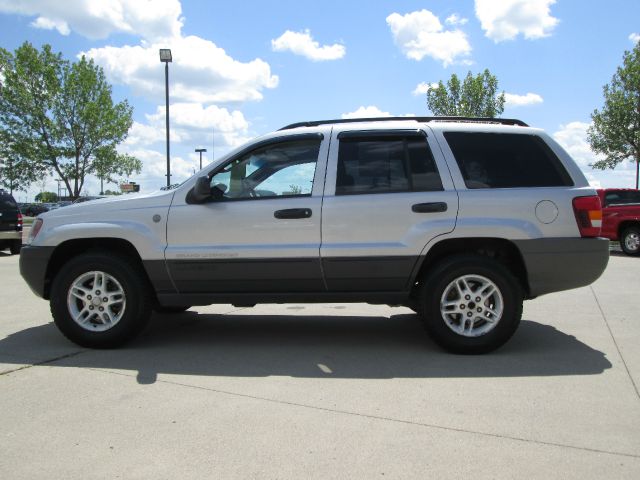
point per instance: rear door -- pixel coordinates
(263, 235)
(387, 194)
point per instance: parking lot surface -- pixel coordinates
(325, 391)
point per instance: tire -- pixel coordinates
(446, 305)
(125, 312)
(630, 241)
(15, 247)
(171, 309)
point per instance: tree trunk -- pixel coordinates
(637, 168)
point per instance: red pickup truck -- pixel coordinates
(621, 217)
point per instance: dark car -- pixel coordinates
(88, 198)
(34, 209)
(10, 223)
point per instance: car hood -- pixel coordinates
(95, 208)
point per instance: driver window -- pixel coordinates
(279, 170)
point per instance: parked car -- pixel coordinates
(458, 219)
(10, 223)
(621, 217)
(33, 209)
(88, 198)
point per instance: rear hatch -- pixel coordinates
(8, 213)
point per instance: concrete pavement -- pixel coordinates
(325, 391)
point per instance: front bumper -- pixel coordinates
(555, 264)
(33, 267)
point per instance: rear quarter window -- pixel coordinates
(506, 160)
(7, 202)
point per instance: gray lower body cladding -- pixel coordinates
(33, 267)
(552, 265)
(555, 264)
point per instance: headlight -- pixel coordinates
(35, 229)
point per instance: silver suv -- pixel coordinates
(458, 219)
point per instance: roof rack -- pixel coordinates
(501, 121)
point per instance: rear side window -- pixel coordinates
(383, 164)
(622, 197)
(506, 160)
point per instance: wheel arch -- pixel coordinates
(504, 251)
(75, 247)
(626, 224)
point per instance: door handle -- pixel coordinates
(290, 213)
(430, 207)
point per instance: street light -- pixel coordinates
(200, 150)
(165, 56)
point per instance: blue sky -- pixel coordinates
(242, 69)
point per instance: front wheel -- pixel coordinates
(100, 300)
(630, 241)
(471, 304)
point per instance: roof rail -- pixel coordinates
(502, 121)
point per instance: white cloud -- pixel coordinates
(150, 19)
(48, 24)
(301, 43)
(423, 87)
(366, 112)
(372, 111)
(200, 72)
(506, 19)
(420, 34)
(154, 168)
(573, 138)
(514, 100)
(634, 37)
(456, 19)
(191, 123)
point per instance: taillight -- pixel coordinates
(588, 211)
(19, 224)
(35, 229)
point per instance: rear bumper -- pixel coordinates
(555, 264)
(33, 267)
(11, 235)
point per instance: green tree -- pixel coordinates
(16, 172)
(108, 164)
(46, 197)
(59, 113)
(615, 132)
(475, 97)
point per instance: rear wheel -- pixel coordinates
(15, 247)
(471, 304)
(630, 241)
(100, 301)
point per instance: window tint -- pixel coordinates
(7, 202)
(392, 164)
(506, 160)
(622, 197)
(283, 169)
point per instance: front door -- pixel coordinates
(263, 233)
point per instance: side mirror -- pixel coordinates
(200, 192)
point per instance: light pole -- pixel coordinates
(165, 56)
(200, 150)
